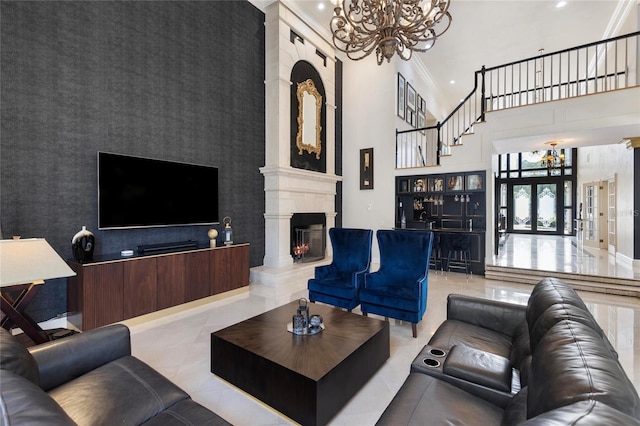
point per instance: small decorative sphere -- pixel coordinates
(213, 234)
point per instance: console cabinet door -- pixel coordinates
(229, 268)
(102, 295)
(220, 270)
(196, 275)
(239, 275)
(140, 287)
(171, 280)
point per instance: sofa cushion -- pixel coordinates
(15, 357)
(187, 412)
(62, 360)
(572, 364)
(548, 292)
(582, 413)
(561, 311)
(126, 391)
(516, 411)
(24, 403)
(453, 332)
(521, 351)
(423, 399)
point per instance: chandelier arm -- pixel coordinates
(388, 27)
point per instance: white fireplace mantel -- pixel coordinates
(290, 190)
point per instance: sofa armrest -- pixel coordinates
(495, 315)
(63, 360)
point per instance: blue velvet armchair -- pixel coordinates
(338, 283)
(399, 288)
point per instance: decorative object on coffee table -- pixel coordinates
(303, 324)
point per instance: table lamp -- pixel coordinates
(24, 265)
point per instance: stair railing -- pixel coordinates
(596, 67)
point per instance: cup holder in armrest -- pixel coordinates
(437, 352)
(430, 362)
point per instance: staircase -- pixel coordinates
(593, 68)
(593, 283)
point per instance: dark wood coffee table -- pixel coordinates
(307, 378)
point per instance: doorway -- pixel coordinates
(600, 214)
(592, 194)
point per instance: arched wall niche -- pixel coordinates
(308, 119)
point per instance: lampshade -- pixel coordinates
(29, 260)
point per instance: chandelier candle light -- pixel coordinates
(388, 26)
(552, 159)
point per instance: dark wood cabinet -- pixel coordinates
(140, 287)
(111, 290)
(171, 277)
(220, 271)
(197, 273)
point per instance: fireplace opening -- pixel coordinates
(308, 237)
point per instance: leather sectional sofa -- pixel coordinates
(496, 363)
(89, 379)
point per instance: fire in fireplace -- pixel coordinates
(308, 237)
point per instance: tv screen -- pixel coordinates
(136, 192)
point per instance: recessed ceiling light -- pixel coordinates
(452, 82)
(321, 6)
(561, 4)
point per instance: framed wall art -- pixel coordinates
(411, 97)
(422, 121)
(474, 182)
(366, 168)
(401, 96)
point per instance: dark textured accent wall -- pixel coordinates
(174, 80)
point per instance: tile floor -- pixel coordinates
(561, 254)
(178, 345)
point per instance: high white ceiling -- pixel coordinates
(495, 32)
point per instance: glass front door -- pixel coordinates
(535, 209)
(522, 207)
(547, 219)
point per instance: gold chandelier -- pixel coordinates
(388, 26)
(551, 158)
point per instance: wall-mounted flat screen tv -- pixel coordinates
(137, 192)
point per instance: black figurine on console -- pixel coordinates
(82, 245)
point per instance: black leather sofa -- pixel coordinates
(496, 363)
(89, 379)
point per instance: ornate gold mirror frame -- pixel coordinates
(309, 109)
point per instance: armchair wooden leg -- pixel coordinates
(364, 314)
(414, 329)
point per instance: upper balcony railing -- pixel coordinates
(583, 70)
